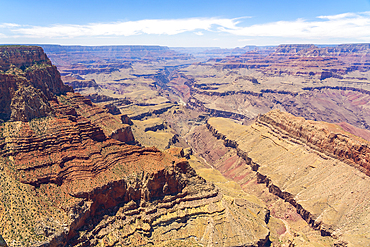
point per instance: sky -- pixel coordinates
(185, 23)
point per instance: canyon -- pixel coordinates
(154, 146)
(72, 174)
(309, 168)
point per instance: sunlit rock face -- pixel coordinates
(317, 167)
(70, 174)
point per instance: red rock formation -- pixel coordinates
(111, 125)
(304, 60)
(323, 137)
(70, 142)
(65, 152)
(21, 56)
(20, 101)
(365, 134)
(295, 167)
(28, 82)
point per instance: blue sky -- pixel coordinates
(232, 23)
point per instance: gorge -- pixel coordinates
(146, 146)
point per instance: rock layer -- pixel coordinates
(329, 194)
(69, 177)
(318, 83)
(28, 82)
(325, 138)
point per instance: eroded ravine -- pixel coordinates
(328, 194)
(68, 176)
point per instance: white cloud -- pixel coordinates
(336, 17)
(129, 28)
(347, 25)
(8, 25)
(244, 40)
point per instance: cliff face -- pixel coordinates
(328, 84)
(21, 56)
(108, 58)
(316, 167)
(326, 138)
(29, 81)
(53, 136)
(69, 177)
(304, 60)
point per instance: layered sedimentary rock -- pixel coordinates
(304, 59)
(21, 57)
(69, 177)
(29, 81)
(113, 53)
(328, 139)
(311, 166)
(318, 83)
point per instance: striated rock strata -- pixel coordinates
(29, 81)
(69, 178)
(315, 167)
(328, 84)
(323, 137)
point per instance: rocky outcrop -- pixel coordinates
(21, 57)
(69, 177)
(111, 125)
(301, 167)
(321, 137)
(20, 101)
(77, 84)
(126, 120)
(47, 79)
(96, 98)
(150, 111)
(112, 109)
(28, 82)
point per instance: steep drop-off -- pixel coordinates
(308, 164)
(69, 178)
(326, 84)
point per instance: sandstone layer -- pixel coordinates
(68, 176)
(168, 100)
(327, 84)
(326, 186)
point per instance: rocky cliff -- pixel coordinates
(85, 60)
(323, 137)
(328, 84)
(29, 81)
(305, 60)
(315, 167)
(69, 178)
(21, 57)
